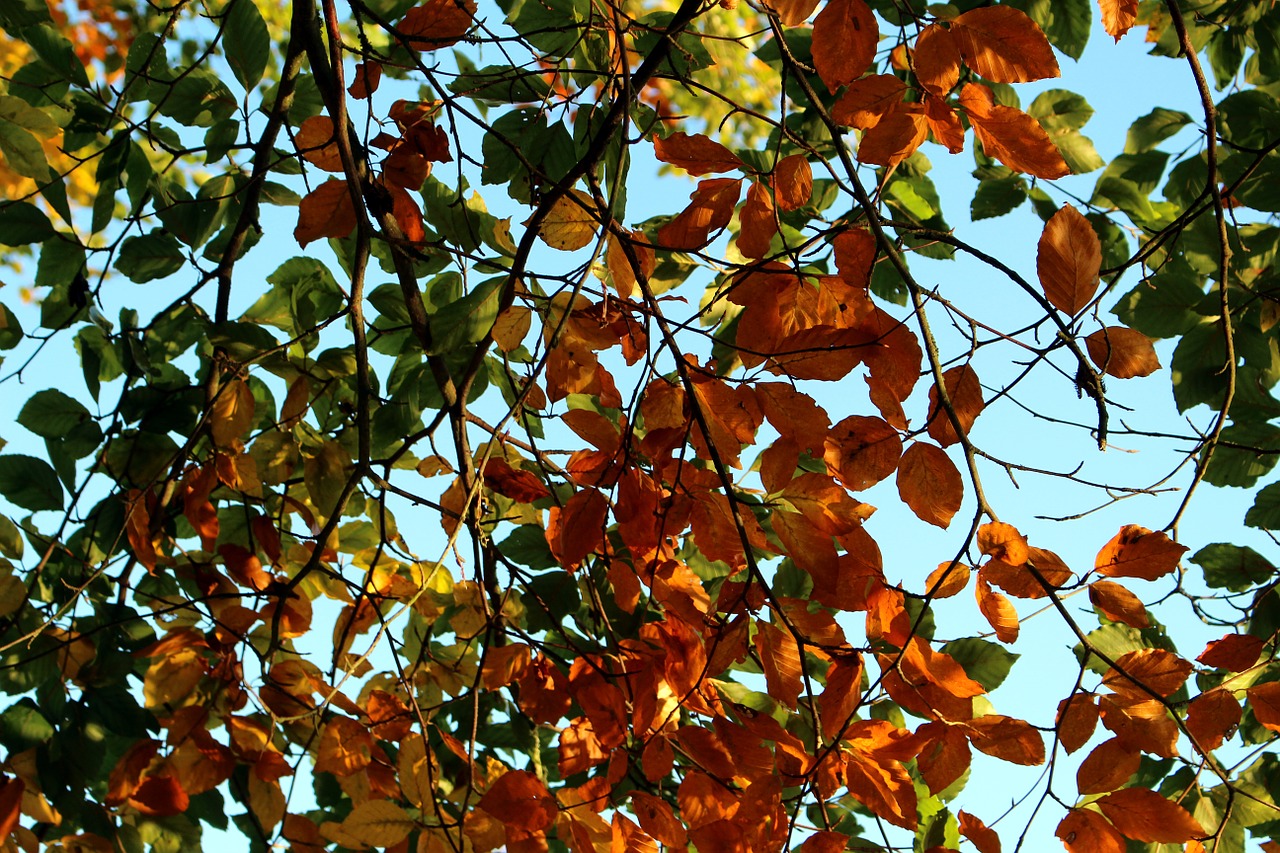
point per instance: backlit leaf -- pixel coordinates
(1144, 815)
(1123, 353)
(696, 154)
(1118, 16)
(1118, 604)
(378, 823)
(1086, 831)
(1136, 552)
(1003, 45)
(571, 223)
(845, 35)
(929, 483)
(1068, 261)
(1111, 764)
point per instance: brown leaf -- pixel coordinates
(325, 212)
(1076, 720)
(844, 42)
(1010, 135)
(1111, 764)
(1157, 670)
(855, 255)
(696, 154)
(1143, 723)
(516, 483)
(657, 819)
(944, 123)
(1118, 16)
(314, 138)
(520, 800)
(936, 60)
(1211, 716)
(10, 805)
(1264, 701)
(709, 211)
(947, 580)
(758, 222)
(367, 77)
(965, 392)
(944, 756)
(1136, 552)
(792, 13)
(1234, 652)
(867, 100)
(1004, 45)
(1122, 352)
(575, 530)
(1007, 738)
(793, 180)
(929, 483)
(1068, 260)
(862, 451)
(1143, 815)
(437, 23)
(983, 837)
(345, 747)
(1084, 831)
(1118, 604)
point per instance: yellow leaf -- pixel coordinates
(231, 413)
(378, 823)
(571, 222)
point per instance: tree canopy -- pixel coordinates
(447, 427)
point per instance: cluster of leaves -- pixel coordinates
(681, 631)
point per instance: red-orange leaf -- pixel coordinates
(945, 755)
(1010, 135)
(844, 41)
(895, 137)
(780, 656)
(1004, 45)
(10, 805)
(1084, 831)
(1264, 701)
(657, 819)
(866, 101)
(1111, 764)
(965, 392)
(936, 60)
(1118, 16)
(1002, 541)
(1136, 552)
(947, 580)
(1143, 815)
(1068, 261)
(862, 451)
(944, 123)
(758, 222)
(984, 838)
(160, 796)
(1234, 652)
(793, 182)
(997, 610)
(520, 800)
(929, 483)
(696, 154)
(709, 211)
(1157, 670)
(1211, 716)
(1122, 352)
(855, 253)
(519, 485)
(325, 212)
(1007, 738)
(1077, 718)
(437, 23)
(577, 529)
(1118, 604)
(792, 13)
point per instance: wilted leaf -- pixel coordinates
(325, 212)
(1076, 720)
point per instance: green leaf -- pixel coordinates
(10, 328)
(56, 52)
(1153, 128)
(527, 545)
(1164, 305)
(1265, 512)
(467, 320)
(501, 84)
(1196, 369)
(1058, 110)
(11, 543)
(1078, 152)
(997, 197)
(22, 726)
(22, 151)
(52, 414)
(151, 256)
(1255, 452)
(1233, 567)
(1066, 23)
(985, 662)
(17, 14)
(22, 223)
(30, 483)
(246, 43)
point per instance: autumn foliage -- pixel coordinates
(488, 461)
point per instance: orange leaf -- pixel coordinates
(1007, 738)
(1141, 722)
(437, 23)
(1136, 552)
(1111, 764)
(710, 210)
(936, 60)
(945, 124)
(696, 154)
(160, 796)
(1004, 45)
(997, 610)
(780, 656)
(844, 42)
(504, 664)
(1084, 831)
(792, 13)
(244, 567)
(1003, 542)
(367, 77)
(947, 580)
(1118, 604)
(1076, 720)
(624, 274)
(521, 801)
(1118, 16)
(966, 398)
(345, 747)
(862, 451)
(945, 755)
(824, 841)
(793, 180)
(316, 144)
(407, 214)
(1211, 716)
(758, 222)
(842, 694)
(1144, 815)
(983, 837)
(866, 101)
(1264, 701)
(519, 485)
(1010, 135)
(325, 212)
(855, 255)
(577, 529)
(1122, 352)
(1158, 670)
(1068, 261)
(895, 137)
(10, 805)
(657, 819)
(1234, 652)
(929, 483)
(231, 413)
